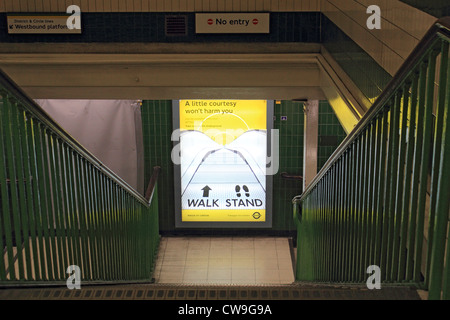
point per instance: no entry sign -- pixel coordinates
(232, 23)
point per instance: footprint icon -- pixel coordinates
(237, 188)
(247, 194)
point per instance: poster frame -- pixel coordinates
(179, 224)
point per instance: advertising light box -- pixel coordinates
(220, 163)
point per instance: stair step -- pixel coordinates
(296, 291)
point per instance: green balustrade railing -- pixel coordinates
(383, 197)
(60, 206)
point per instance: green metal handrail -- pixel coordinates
(367, 205)
(60, 206)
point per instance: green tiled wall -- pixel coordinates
(150, 27)
(291, 161)
(288, 118)
(157, 130)
(331, 133)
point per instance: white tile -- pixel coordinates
(199, 262)
(199, 244)
(195, 281)
(284, 264)
(174, 255)
(215, 246)
(219, 263)
(284, 254)
(176, 245)
(193, 274)
(267, 276)
(177, 239)
(286, 276)
(224, 260)
(219, 273)
(198, 239)
(243, 263)
(243, 274)
(264, 244)
(226, 241)
(242, 282)
(267, 273)
(173, 263)
(242, 243)
(243, 253)
(224, 252)
(171, 273)
(266, 253)
(157, 272)
(158, 264)
(220, 281)
(282, 244)
(197, 254)
(169, 280)
(160, 255)
(266, 264)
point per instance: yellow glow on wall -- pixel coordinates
(223, 120)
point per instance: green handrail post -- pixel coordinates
(437, 143)
(442, 207)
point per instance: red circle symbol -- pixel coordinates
(255, 21)
(210, 21)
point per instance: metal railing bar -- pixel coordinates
(443, 78)
(152, 184)
(428, 98)
(442, 205)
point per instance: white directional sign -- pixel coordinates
(39, 24)
(232, 23)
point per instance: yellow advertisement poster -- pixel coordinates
(223, 160)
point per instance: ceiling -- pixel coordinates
(192, 75)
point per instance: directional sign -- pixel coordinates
(232, 23)
(22, 23)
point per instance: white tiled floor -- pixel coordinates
(224, 260)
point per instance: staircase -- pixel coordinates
(382, 199)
